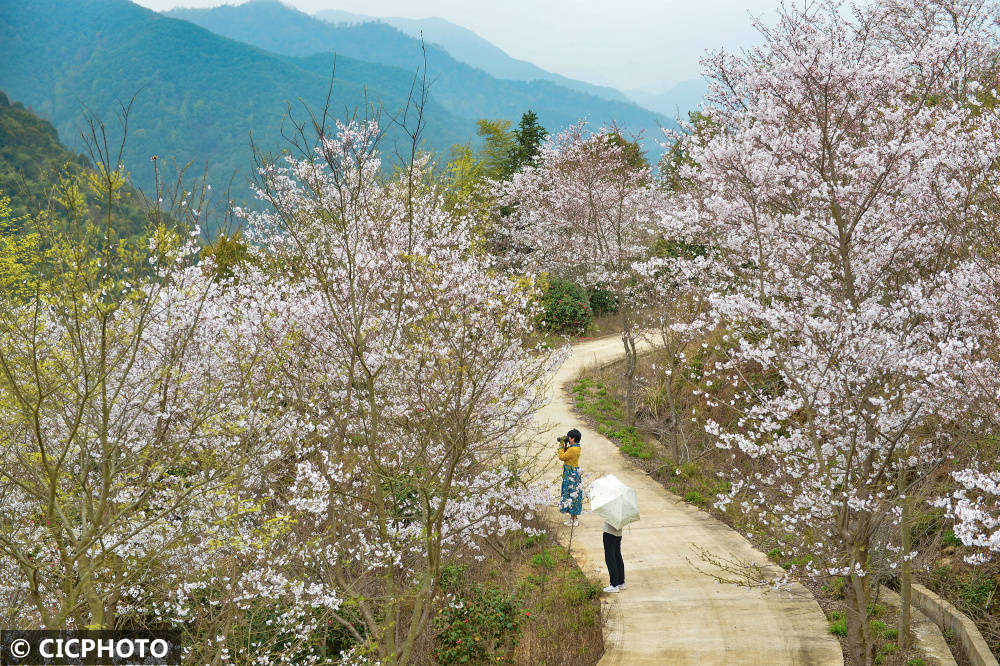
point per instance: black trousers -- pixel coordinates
(613, 558)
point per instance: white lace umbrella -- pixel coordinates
(613, 501)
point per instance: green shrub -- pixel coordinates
(452, 575)
(949, 539)
(694, 497)
(774, 553)
(916, 661)
(838, 623)
(602, 301)
(532, 539)
(543, 560)
(565, 307)
(977, 593)
(486, 623)
(579, 592)
(875, 610)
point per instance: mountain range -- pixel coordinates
(468, 47)
(201, 90)
(462, 88)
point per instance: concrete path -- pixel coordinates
(670, 613)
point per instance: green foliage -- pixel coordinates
(694, 497)
(565, 307)
(978, 593)
(578, 590)
(229, 252)
(452, 576)
(481, 627)
(875, 610)
(543, 560)
(528, 139)
(774, 554)
(602, 301)
(533, 539)
(838, 623)
(949, 539)
(632, 443)
(37, 171)
(916, 661)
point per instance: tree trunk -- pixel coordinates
(858, 638)
(628, 375)
(906, 545)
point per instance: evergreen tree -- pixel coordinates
(528, 138)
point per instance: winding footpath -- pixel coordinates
(671, 613)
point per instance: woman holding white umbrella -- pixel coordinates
(616, 503)
(613, 558)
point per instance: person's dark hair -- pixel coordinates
(574, 434)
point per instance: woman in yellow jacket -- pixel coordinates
(572, 489)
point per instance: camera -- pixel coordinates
(564, 441)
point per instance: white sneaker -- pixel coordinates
(611, 588)
(621, 587)
(571, 523)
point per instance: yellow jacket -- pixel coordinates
(570, 456)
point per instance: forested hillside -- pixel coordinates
(462, 89)
(33, 162)
(198, 96)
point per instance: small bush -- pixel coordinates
(838, 624)
(533, 539)
(949, 539)
(875, 610)
(452, 575)
(543, 560)
(565, 307)
(977, 592)
(774, 553)
(602, 301)
(916, 661)
(694, 497)
(485, 624)
(579, 592)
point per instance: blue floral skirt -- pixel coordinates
(572, 493)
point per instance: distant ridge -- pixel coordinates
(464, 90)
(468, 47)
(681, 99)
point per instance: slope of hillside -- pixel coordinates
(468, 47)
(460, 88)
(32, 160)
(199, 95)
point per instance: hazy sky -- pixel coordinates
(644, 44)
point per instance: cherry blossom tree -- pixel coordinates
(839, 156)
(405, 376)
(124, 420)
(582, 211)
